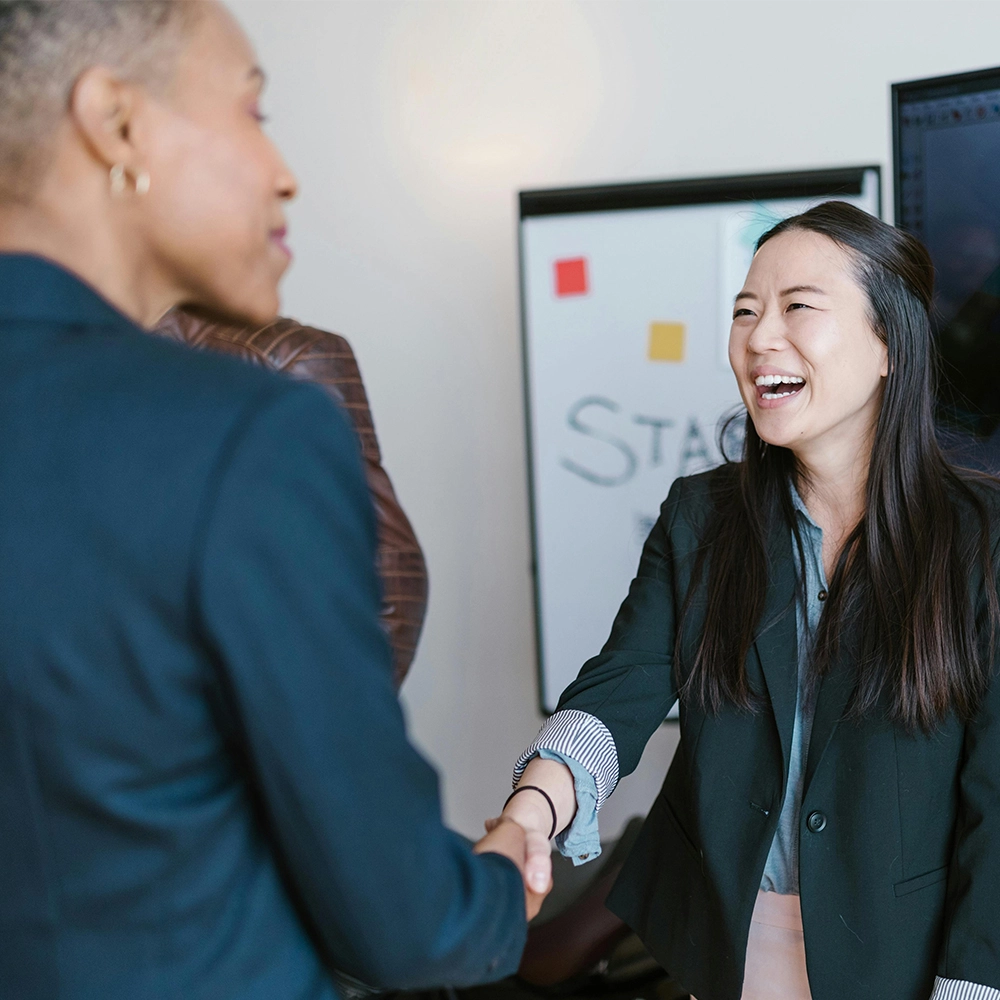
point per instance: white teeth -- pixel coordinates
(775, 395)
(778, 380)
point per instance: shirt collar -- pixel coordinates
(35, 288)
(799, 504)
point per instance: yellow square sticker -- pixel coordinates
(666, 341)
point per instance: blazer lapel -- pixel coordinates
(776, 643)
(831, 704)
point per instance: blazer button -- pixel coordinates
(816, 822)
(822, 595)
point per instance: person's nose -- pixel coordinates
(286, 185)
(768, 334)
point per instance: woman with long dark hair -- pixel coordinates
(826, 612)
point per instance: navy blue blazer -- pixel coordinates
(206, 790)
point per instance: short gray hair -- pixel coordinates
(45, 45)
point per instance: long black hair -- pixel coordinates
(901, 586)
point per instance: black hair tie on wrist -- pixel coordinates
(544, 794)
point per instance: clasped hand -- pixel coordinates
(521, 833)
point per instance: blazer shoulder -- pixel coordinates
(170, 363)
(177, 386)
(194, 402)
(692, 498)
(285, 345)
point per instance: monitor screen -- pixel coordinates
(947, 177)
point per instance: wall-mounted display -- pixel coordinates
(946, 133)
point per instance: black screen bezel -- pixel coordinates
(929, 88)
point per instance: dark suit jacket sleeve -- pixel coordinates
(971, 951)
(630, 684)
(353, 810)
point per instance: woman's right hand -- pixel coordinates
(533, 812)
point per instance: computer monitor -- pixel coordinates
(946, 145)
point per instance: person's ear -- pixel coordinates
(106, 110)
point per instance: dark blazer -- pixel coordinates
(900, 879)
(205, 786)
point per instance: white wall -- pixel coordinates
(411, 126)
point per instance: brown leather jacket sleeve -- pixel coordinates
(313, 355)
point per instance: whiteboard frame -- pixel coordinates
(803, 184)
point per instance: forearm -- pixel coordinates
(530, 809)
(350, 806)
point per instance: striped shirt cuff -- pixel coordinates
(586, 739)
(959, 989)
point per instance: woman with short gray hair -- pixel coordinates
(206, 789)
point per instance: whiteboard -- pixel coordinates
(627, 297)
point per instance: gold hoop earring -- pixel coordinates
(117, 179)
(142, 182)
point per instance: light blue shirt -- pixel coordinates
(781, 871)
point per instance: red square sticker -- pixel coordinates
(571, 276)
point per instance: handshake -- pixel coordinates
(543, 805)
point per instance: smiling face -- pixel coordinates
(809, 365)
(214, 214)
